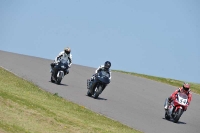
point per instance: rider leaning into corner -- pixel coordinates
(105, 67)
(185, 89)
(66, 55)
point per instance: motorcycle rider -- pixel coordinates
(185, 89)
(105, 67)
(66, 55)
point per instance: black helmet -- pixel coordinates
(107, 64)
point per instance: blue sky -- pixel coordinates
(160, 38)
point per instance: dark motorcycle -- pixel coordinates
(59, 71)
(177, 107)
(96, 87)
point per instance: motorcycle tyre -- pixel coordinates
(96, 93)
(178, 115)
(58, 81)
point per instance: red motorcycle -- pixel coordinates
(177, 107)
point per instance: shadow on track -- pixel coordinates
(99, 98)
(59, 84)
(179, 122)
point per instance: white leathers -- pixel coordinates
(64, 56)
(102, 68)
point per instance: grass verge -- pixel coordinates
(194, 86)
(25, 108)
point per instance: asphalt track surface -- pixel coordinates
(133, 101)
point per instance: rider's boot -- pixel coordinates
(166, 105)
(88, 83)
(66, 72)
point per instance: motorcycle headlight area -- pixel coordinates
(63, 66)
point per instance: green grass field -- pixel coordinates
(25, 108)
(194, 86)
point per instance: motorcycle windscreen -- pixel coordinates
(182, 98)
(63, 64)
(104, 77)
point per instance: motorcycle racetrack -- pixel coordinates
(131, 100)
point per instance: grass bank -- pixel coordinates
(194, 86)
(25, 108)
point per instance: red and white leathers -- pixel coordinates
(173, 95)
(63, 55)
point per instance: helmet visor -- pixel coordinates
(107, 66)
(185, 89)
(67, 52)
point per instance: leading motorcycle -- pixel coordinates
(177, 107)
(59, 71)
(96, 87)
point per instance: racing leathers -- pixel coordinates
(100, 68)
(62, 56)
(173, 97)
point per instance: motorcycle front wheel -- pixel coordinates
(98, 91)
(96, 95)
(58, 80)
(177, 115)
